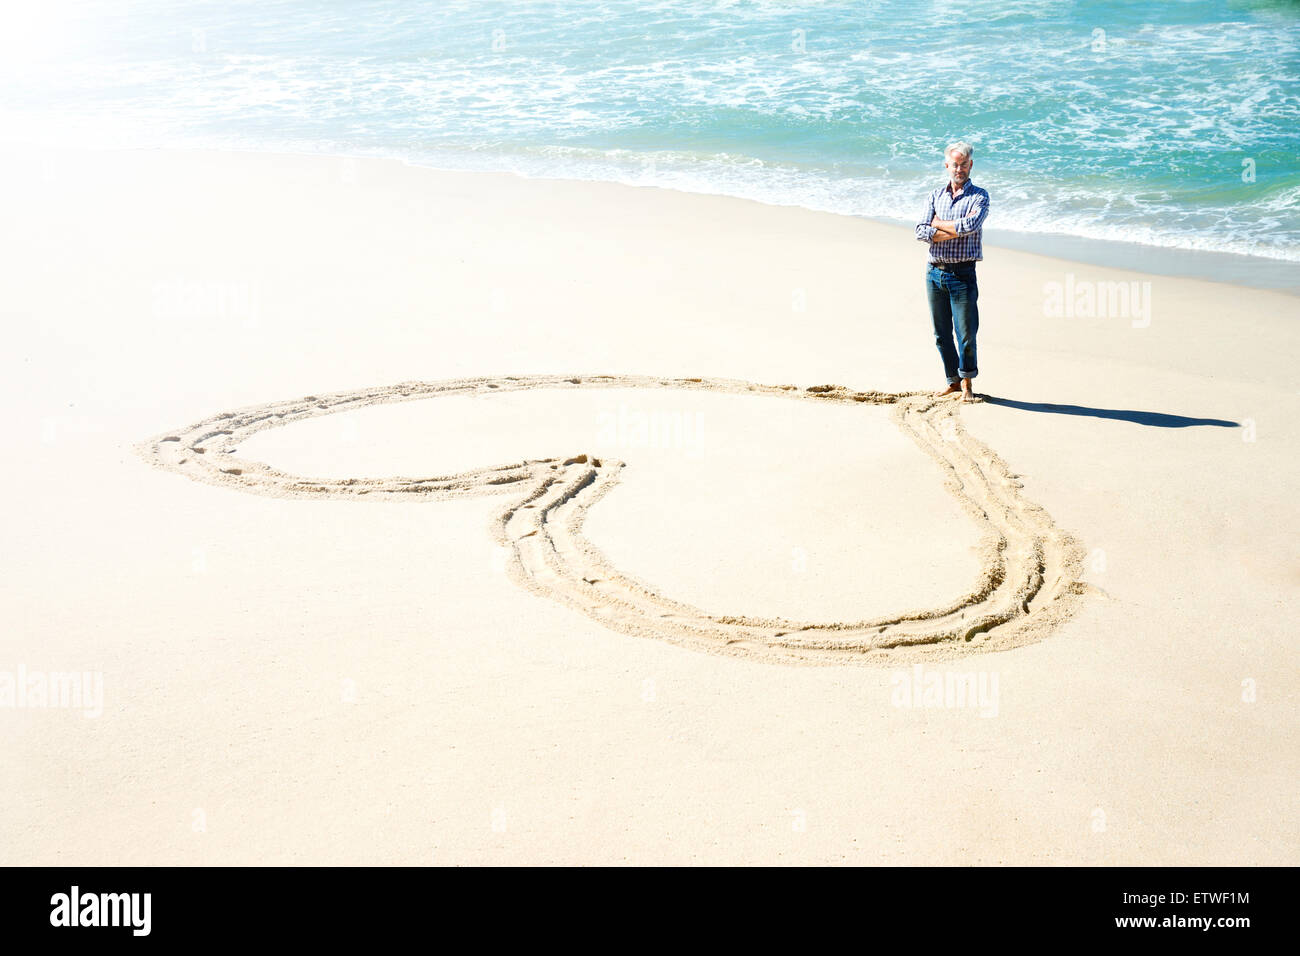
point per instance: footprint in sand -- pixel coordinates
(1030, 569)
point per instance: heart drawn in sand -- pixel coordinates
(1028, 584)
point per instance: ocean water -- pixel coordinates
(1172, 125)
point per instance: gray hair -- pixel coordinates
(961, 146)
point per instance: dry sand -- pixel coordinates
(349, 639)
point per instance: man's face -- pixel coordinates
(958, 167)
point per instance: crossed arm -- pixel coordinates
(933, 229)
(944, 229)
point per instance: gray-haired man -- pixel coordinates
(953, 226)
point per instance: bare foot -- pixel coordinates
(967, 390)
(952, 387)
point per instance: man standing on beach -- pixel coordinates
(952, 224)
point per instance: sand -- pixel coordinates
(772, 603)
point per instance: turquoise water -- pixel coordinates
(1106, 120)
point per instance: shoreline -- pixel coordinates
(1226, 268)
(1254, 272)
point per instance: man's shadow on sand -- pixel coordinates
(1156, 419)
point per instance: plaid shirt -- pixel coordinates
(967, 210)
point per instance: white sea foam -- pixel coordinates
(1094, 123)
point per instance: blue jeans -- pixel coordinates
(954, 305)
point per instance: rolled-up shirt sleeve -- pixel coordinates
(924, 231)
(972, 222)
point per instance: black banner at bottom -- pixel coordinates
(114, 906)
